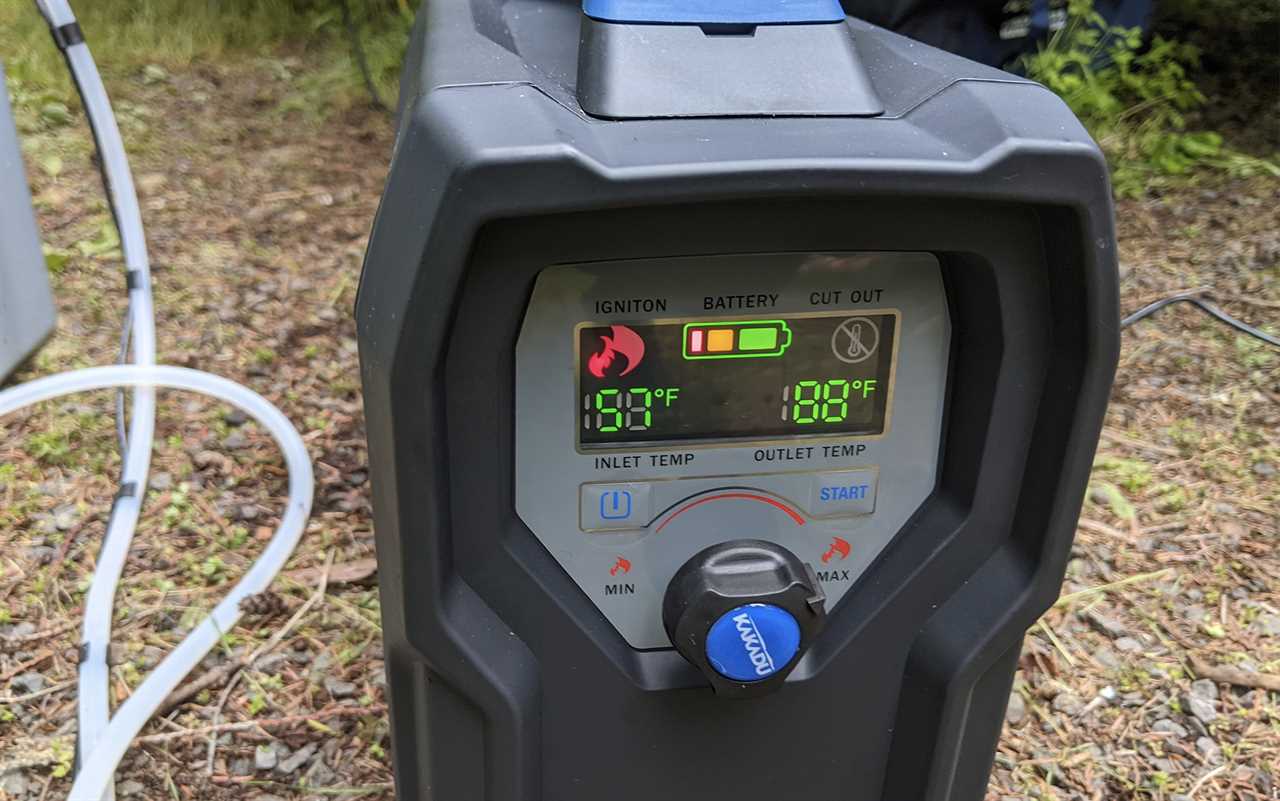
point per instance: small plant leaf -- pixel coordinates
(55, 113)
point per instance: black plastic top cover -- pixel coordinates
(638, 71)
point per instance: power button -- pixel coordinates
(615, 507)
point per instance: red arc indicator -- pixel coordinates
(620, 341)
(729, 496)
(623, 565)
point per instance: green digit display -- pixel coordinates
(805, 410)
(617, 409)
(604, 398)
(639, 402)
(663, 382)
(835, 401)
(821, 400)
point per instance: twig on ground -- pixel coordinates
(1229, 675)
(65, 547)
(1124, 439)
(219, 674)
(321, 587)
(22, 639)
(22, 699)
(345, 573)
(1053, 638)
(25, 666)
(1103, 529)
(248, 725)
(1072, 597)
(1203, 779)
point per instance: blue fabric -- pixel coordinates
(972, 28)
(1039, 19)
(715, 12)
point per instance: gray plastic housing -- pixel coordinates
(506, 682)
(633, 71)
(900, 464)
(27, 314)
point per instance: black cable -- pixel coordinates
(357, 49)
(1206, 306)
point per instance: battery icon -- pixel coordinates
(749, 339)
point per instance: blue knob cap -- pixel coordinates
(752, 642)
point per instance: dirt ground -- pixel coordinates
(1146, 681)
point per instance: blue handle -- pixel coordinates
(715, 12)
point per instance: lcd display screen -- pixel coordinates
(734, 378)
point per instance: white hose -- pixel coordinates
(98, 767)
(102, 740)
(94, 678)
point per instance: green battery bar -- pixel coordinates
(747, 339)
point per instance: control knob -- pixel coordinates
(744, 612)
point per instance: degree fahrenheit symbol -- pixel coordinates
(866, 387)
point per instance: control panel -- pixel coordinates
(667, 406)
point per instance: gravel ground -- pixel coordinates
(1149, 679)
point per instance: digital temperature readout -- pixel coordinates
(703, 379)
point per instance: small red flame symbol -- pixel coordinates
(624, 341)
(622, 565)
(839, 548)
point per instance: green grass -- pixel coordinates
(128, 36)
(1140, 101)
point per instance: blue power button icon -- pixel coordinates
(615, 505)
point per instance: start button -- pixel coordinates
(843, 493)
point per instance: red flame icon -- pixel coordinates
(839, 548)
(623, 341)
(622, 565)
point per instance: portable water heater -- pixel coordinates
(732, 380)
